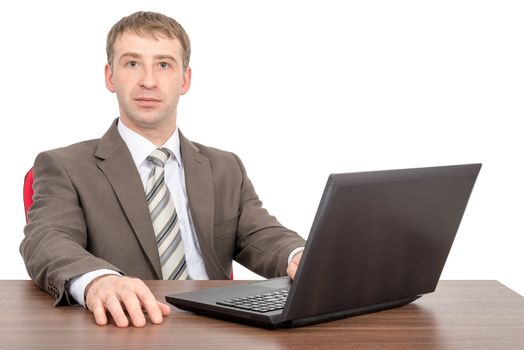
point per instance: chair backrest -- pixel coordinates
(28, 191)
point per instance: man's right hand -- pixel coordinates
(118, 294)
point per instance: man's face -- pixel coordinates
(148, 78)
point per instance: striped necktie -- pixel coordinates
(165, 220)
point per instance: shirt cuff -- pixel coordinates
(293, 253)
(76, 286)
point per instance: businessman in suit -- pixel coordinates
(144, 202)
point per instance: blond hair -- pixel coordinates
(153, 24)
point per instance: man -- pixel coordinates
(143, 201)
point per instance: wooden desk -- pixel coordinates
(459, 315)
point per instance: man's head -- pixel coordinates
(149, 24)
(148, 69)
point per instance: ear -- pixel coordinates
(109, 78)
(187, 81)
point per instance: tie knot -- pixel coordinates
(159, 157)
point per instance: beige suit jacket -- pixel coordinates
(90, 212)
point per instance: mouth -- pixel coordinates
(147, 101)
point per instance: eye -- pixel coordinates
(132, 64)
(164, 65)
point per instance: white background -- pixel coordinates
(298, 90)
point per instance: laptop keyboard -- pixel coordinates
(264, 302)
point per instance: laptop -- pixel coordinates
(379, 240)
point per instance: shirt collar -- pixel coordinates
(141, 148)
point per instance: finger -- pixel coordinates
(115, 309)
(99, 312)
(134, 309)
(150, 304)
(164, 308)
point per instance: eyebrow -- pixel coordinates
(165, 57)
(138, 56)
(130, 54)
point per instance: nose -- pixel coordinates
(148, 79)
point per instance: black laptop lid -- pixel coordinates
(379, 236)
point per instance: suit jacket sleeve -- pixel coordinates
(263, 244)
(54, 247)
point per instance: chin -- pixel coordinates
(149, 121)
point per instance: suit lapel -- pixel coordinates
(201, 198)
(117, 164)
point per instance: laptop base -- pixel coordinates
(274, 322)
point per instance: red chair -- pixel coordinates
(28, 198)
(28, 191)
